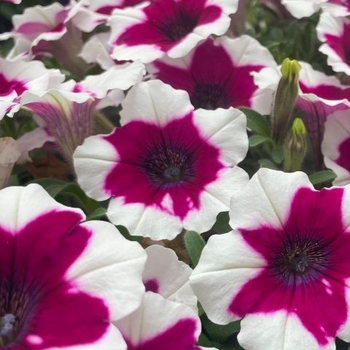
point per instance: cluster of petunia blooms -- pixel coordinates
(168, 164)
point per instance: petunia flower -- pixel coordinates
(19, 76)
(67, 112)
(319, 96)
(66, 115)
(92, 13)
(97, 50)
(337, 8)
(34, 25)
(334, 32)
(166, 275)
(167, 26)
(49, 31)
(108, 87)
(13, 1)
(335, 146)
(278, 8)
(217, 73)
(167, 317)
(17, 151)
(285, 266)
(107, 6)
(167, 167)
(302, 8)
(63, 281)
(160, 324)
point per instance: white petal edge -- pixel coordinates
(260, 201)
(155, 315)
(172, 275)
(277, 330)
(21, 205)
(226, 264)
(143, 103)
(146, 221)
(337, 130)
(111, 268)
(225, 129)
(93, 161)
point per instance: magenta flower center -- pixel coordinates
(179, 26)
(156, 161)
(16, 306)
(301, 260)
(209, 96)
(168, 166)
(7, 329)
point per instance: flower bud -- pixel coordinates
(285, 98)
(295, 146)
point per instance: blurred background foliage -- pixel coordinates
(284, 35)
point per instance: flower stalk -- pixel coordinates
(285, 98)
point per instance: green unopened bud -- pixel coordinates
(285, 97)
(295, 146)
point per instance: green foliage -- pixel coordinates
(222, 337)
(17, 126)
(222, 223)
(286, 37)
(256, 140)
(194, 244)
(256, 122)
(341, 345)
(217, 332)
(69, 193)
(322, 177)
(124, 231)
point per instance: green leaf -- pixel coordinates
(222, 223)
(69, 193)
(256, 140)
(98, 213)
(13, 180)
(194, 244)
(207, 343)
(277, 155)
(257, 122)
(341, 344)
(200, 309)
(204, 341)
(217, 332)
(267, 163)
(124, 231)
(53, 186)
(322, 176)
